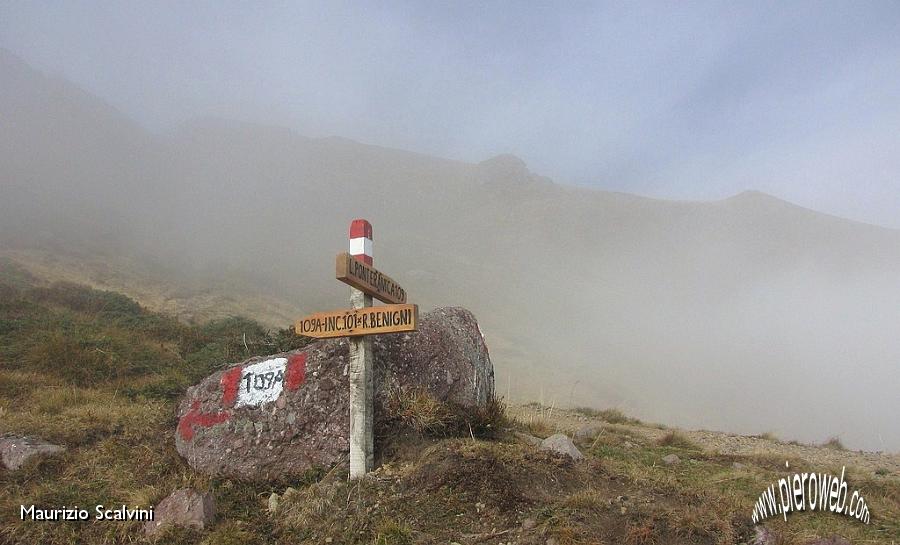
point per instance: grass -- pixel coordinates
(418, 411)
(445, 475)
(613, 416)
(677, 440)
(94, 371)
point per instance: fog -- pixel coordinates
(195, 169)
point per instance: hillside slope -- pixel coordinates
(106, 390)
(696, 313)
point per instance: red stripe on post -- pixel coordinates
(360, 228)
(361, 240)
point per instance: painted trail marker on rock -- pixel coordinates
(362, 320)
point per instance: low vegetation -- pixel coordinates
(613, 416)
(677, 440)
(96, 372)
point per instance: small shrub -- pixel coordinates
(587, 411)
(834, 443)
(615, 416)
(534, 425)
(677, 440)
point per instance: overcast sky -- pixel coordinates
(679, 100)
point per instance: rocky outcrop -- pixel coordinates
(185, 507)
(561, 444)
(16, 450)
(279, 415)
(671, 459)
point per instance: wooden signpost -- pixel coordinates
(355, 272)
(358, 323)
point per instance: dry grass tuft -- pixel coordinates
(677, 440)
(643, 533)
(612, 415)
(298, 507)
(419, 411)
(391, 532)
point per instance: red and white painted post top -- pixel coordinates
(361, 240)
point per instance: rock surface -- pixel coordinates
(588, 431)
(185, 507)
(671, 459)
(528, 439)
(16, 450)
(279, 415)
(561, 444)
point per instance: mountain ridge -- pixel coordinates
(607, 289)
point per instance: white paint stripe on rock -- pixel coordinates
(261, 382)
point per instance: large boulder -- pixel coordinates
(280, 415)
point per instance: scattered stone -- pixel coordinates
(528, 524)
(274, 500)
(588, 431)
(628, 444)
(528, 439)
(764, 536)
(671, 459)
(738, 465)
(185, 507)
(282, 414)
(16, 450)
(551, 541)
(561, 444)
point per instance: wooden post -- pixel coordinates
(362, 392)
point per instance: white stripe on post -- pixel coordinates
(361, 246)
(362, 443)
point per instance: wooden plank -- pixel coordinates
(359, 321)
(368, 279)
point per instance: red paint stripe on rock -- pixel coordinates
(195, 418)
(230, 382)
(296, 371)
